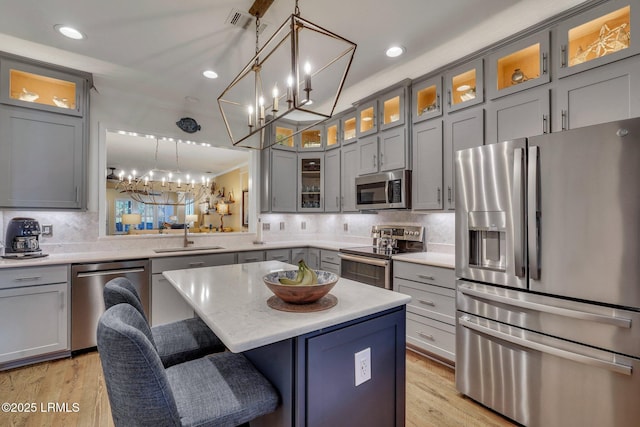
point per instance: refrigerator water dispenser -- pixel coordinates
(487, 240)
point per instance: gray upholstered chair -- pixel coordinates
(222, 389)
(175, 342)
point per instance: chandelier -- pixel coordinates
(162, 186)
(298, 73)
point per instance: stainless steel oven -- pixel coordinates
(387, 190)
(372, 271)
(373, 264)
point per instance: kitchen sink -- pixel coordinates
(189, 249)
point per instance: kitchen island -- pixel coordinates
(309, 357)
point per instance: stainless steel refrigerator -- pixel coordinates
(548, 276)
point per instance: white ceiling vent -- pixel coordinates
(244, 20)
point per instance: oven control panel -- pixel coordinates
(412, 233)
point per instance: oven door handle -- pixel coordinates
(364, 260)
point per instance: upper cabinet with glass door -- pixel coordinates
(392, 108)
(36, 87)
(599, 36)
(426, 96)
(283, 135)
(465, 85)
(332, 134)
(349, 124)
(518, 66)
(367, 118)
(311, 139)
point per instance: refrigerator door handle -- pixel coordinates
(587, 360)
(518, 211)
(533, 216)
(619, 322)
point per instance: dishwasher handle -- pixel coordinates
(82, 274)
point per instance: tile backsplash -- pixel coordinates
(79, 231)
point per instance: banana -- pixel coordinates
(287, 281)
(305, 276)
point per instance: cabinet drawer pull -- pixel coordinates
(250, 259)
(27, 279)
(196, 264)
(330, 258)
(427, 302)
(426, 336)
(277, 256)
(425, 277)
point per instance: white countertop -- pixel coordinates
(436, 259)
(232, 300)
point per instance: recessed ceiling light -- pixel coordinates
(69, 32)
(210, 74)
(395, 51)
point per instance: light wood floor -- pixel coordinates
(432, 399)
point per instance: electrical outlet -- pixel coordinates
(47, 230)
(345, 226)
(282, 225)
(266, 226)
(363, 366)
(303, 225)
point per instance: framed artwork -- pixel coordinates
(245, 208)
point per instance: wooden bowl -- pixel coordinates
(299, 294)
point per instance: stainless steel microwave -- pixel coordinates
(387, 190)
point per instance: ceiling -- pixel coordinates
(159, 48)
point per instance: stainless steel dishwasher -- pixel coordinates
(87, 303)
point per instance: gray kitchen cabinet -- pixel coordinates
(283, 255)
(332, 181)
(367, 114)
(427, 165)
(431, 312)
(251, 256)
(519, 115)
(34, 312)
(282, 133)
(265, 180)
(519, 66)
(42, 159)
(598, 36)
(349, 171)
(426, 99)
(284, 166)
(332, 134)
(368, 155)
(349, 126)
(465, 85)
(598, 96)
(311, 139)
(383, 152)
(330, 261)
(393, 108)
(311, 182)
(167, 305)
(311, 257)
(464, 129)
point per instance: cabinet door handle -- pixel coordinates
(563, 56)
(27, 279)
(564, 120)
(427, 302)
(426, 336)
(381, 159)
(274, 201)
(374, 161)
(449, 191)
(438, 102)
(425, 277)
(76, 194)
(545, 123)
(544, 63)
(196, 264)
(438, 194)
(450, 100)
(337, 202)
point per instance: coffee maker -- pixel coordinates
(22, 239)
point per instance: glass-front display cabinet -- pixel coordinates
(35, 87)
(311, 139)
(519, 66)
(310, 182)
(465, 85)
(598, 36)
(425, 99)
(332, 134)
(367, 115)
(349, 124)
(392, 107)
(283, 135)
